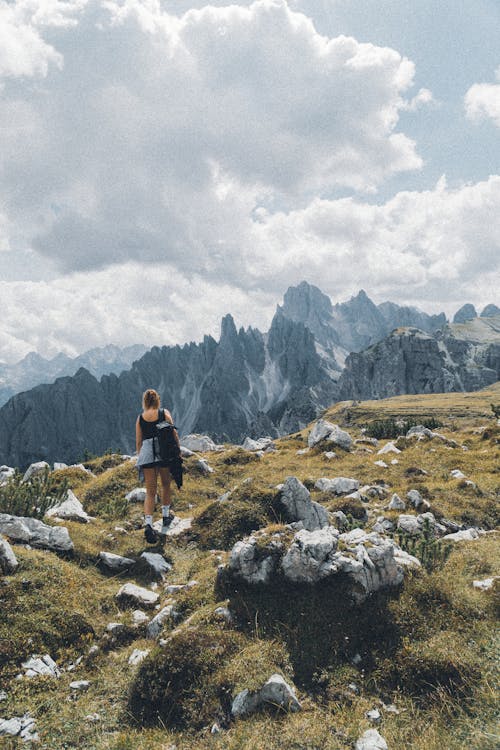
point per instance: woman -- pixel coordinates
(150, 464)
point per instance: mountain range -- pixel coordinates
(254, 383)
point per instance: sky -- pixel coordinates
(164, 162)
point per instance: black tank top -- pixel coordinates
(148, 429)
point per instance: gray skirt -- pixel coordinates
(149, 457)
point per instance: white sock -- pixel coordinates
(165, 509)
(148, 520)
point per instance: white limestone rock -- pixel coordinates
(138, 595)
(139, 618)
(257, 445)
(80, 685)
(115, 562)
(40, 665)
(299, 506)
(70, 509)
(36, 468)
(329, 455)
(6, 473)
(155, 565)
(58, 465)
(204, 467)
(200, 443)
(311, 555)
(35, 533)
(8, 560)
(381, 464)
(466, 535)
(23, 727)
(275, 692)
(137, 495)
(246, 562)
(158, 622)
(331, 433)
(416, 499)
(177, 527)
(486, 584)
(371, 740)
(388, 448)
(457, 474)
(396, 503)
(137, 656)
(337, 485)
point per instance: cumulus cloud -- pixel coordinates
(125, 151)
(482, 101)
(434, 249)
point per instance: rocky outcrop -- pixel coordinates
(365, 562)
(298, 505)
(467, 312)
(70, 509)
(8, 560)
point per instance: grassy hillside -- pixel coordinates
(429, 650)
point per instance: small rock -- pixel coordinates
(457, 474)
(41, 665)
(388, 448)
(204, 467)
(138, 495)
(137, 656)
(299, 506)
(80, 685)
(396, 503)
(257, 445)
(275, 692)
(3, 695)
(466, 535)
(324, 430)
(371, 740)
(139, 617)
(338, 485)
(416, 499)
(382, 464)
(93, 718)
(37, 468)
(177, 527)
(156, 625)
(215, 727)
(8, 560)
(200, 443)
(374, 716)
(486, 584)
(130, 593)
(329, 455)
(115, 562)
(225, 614)
(58, 465)
(115, 628)
(70, 509)
(302, 451)
(155, 565)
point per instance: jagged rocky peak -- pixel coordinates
(396, 316)
(490, 311)
(358, 322)
(307, 304)
(467, 312)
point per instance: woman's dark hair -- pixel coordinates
(150, 399)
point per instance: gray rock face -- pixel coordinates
(137, 495)
(299, 506)
(275, 692)
(464, 357)
(465, 535)
(467, 312)
(70, 509)
(337, 485)
(158, 622)
(37, 666)
(199, 443)
(311, 556)
(8, 560)
(115, 562)
(23, 727)
(246, 561)
(396, 503)
(490, 311)
(36, 533)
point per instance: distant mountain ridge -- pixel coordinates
(34, 369)
(253, 383)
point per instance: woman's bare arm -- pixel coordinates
(138, 435)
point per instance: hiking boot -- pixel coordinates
(166, 523)
(150, 534)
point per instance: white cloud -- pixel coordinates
(117, 155)
(435, 249)
(482, 101)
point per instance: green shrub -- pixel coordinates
(177, 685)
(431, 552)
(392, 428)
(32, 498)
(105, 494)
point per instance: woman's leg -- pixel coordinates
(166, 490)
(150, 482)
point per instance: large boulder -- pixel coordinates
(115, 562)
(8, 560)
(329, 432)
(35, 533)
(249, 444)
(275, 692)
(132, 595)
(70, 509)
(298, 504)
